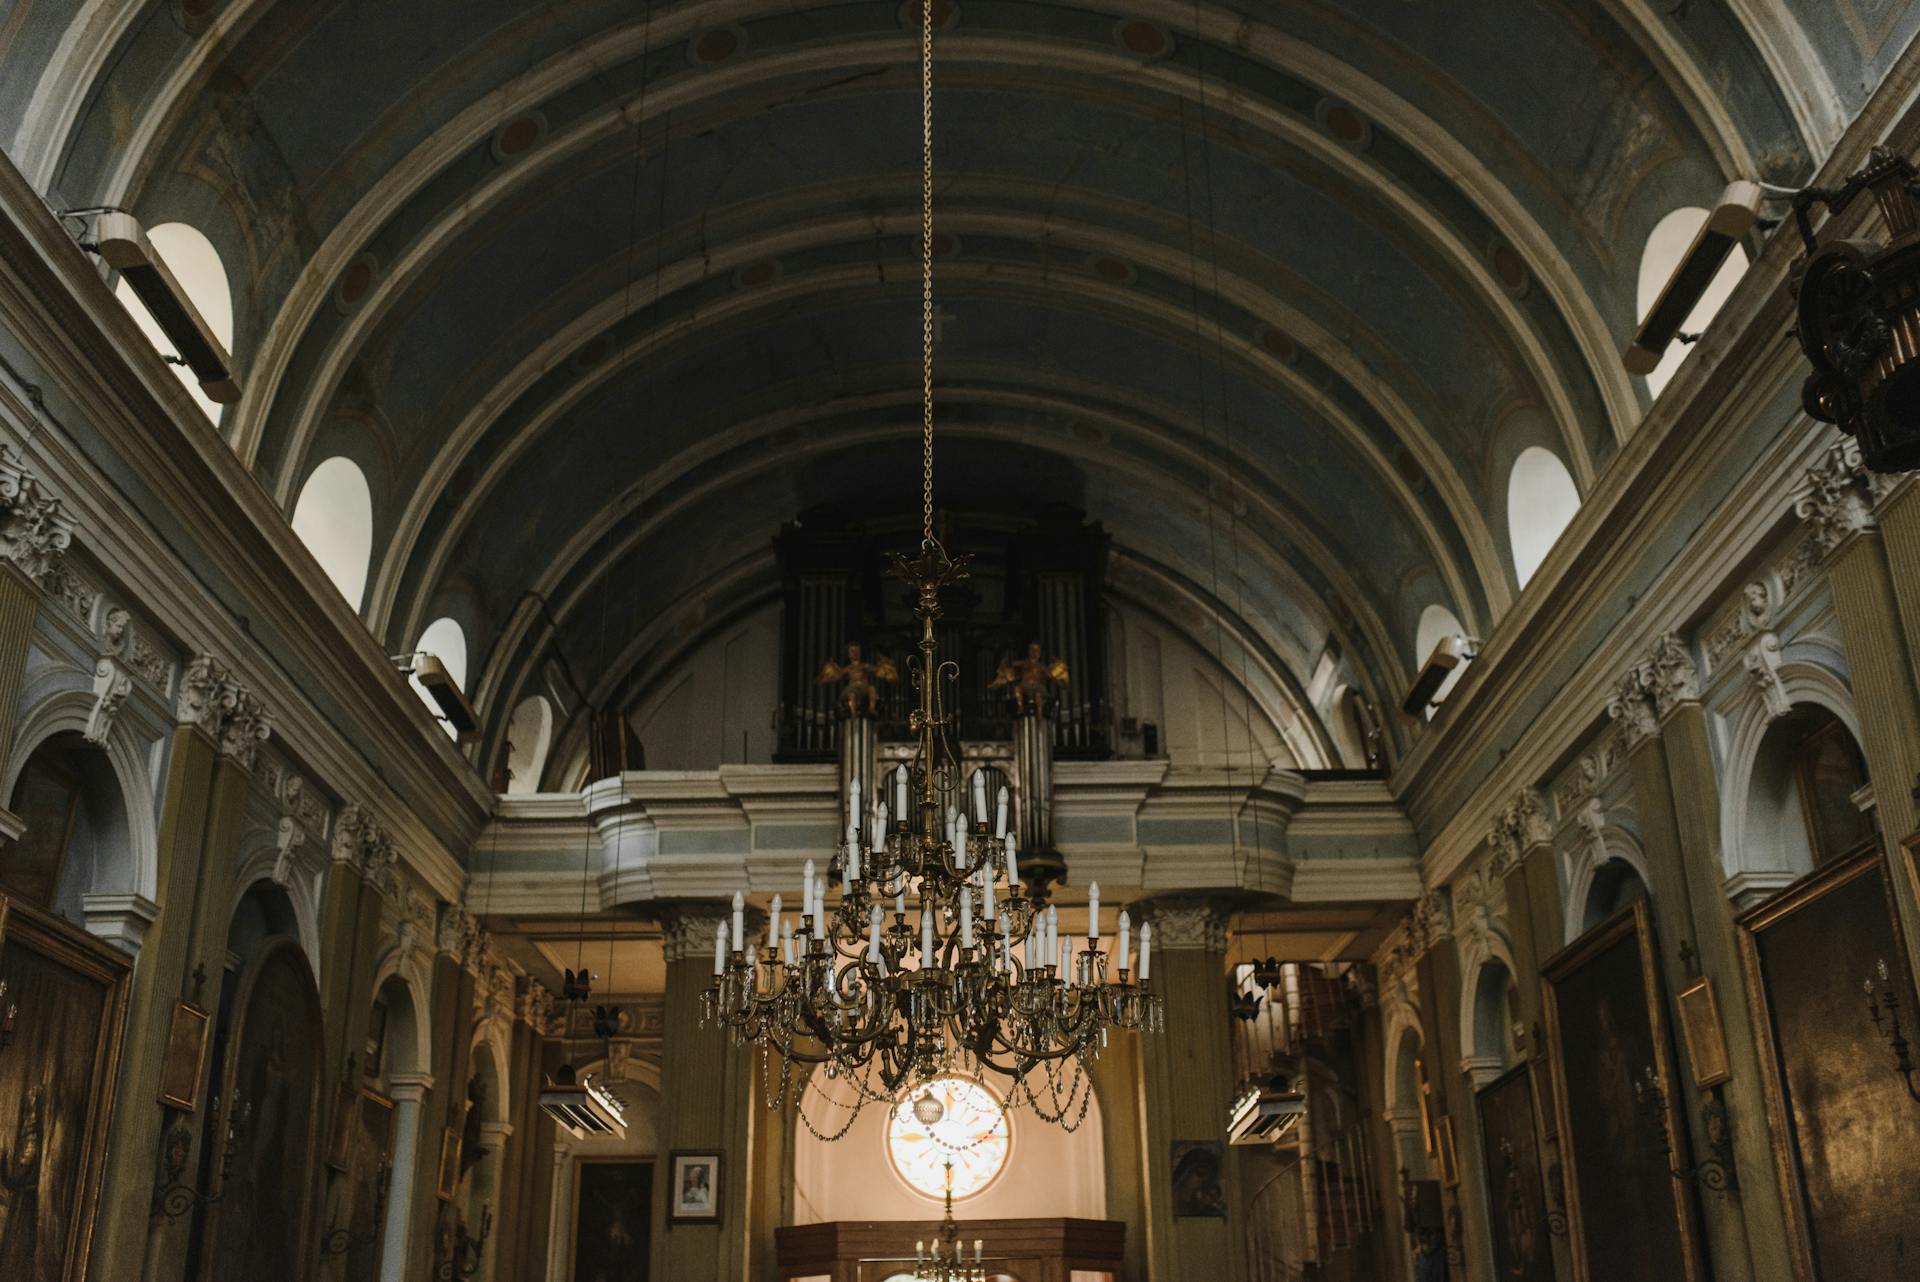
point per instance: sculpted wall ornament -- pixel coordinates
(247, 726)
(359, 840)
(459, 932)
(1762, 662)
(204, 689)
(289, 840)
(211, 698)
(687, 932)
(1587, 775)
(111, 686)
(123, 641)
(1522, 824)
(35, 528)
(1592, 821)
(1631, 706)
(1670, 674)
(1838, 498)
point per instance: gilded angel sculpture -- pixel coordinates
(859, 676)
(1032, 678)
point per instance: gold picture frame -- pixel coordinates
(1631, 927)
(1449, 1157)
(184, 1062)
(447, 1178)
(1753, 928)
(1698, 1011)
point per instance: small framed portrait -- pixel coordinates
(1700, 1029)
(448, 1178)
(693, 1196)
(1199, 1170)
(185, 1059)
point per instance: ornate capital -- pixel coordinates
(1522, 825)
(1838, 497)
(35, 528)
(1629, 704)
(689, 929)
(459, 932)
(203, 695)
(1670, 674)
(540, 1009)
(248, 724)
(1188, 924)
(359, 840)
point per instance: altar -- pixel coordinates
(1043, 1250)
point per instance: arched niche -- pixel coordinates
(1489, 1017)
(1408, 1095)
(1803, 801)
(334, 518)
(1049, 1170)
(1666, 245)
(268, 1096)
(1612, 885)
(196, 265)
(529, 736)
(1542, 501)
(85, 852)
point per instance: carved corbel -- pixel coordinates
(1670, 673)
(1592, 821)
(288, 840)
(247, 725)
(1631, 705)
(111, 686)
(205, 694)
(1762, 662)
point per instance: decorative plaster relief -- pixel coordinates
(35, 528)
(1762, 662)
(1587, 775)
(1839, 496)
(111, 686)
(1188, 924)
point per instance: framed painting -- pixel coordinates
(1614, 1087)
(612, 1219)
(68, 992)
(447, 1176)
(1842, 1123)
(367, 1169)
(1516, 1195)
(185, 1060)
(1445, 1152)
(693, 1197)
(1199, 1179)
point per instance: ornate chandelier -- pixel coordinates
(933, 961)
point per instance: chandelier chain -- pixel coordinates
(926, 271)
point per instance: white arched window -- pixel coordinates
(1541, 501)
(1666, 246)
(196, 264)
(446, 641)
(1436, 624)
(529, 734)
(334, 518)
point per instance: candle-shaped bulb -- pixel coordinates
(900, 794)
(1006, 953)
(926, 936)
(1066, 957)
(1126, 939)
(966, 917)
(960, 844)
(720, 948)
(739, 920)
(806, 892)
(1053, 931)
(1013, 861)
(979, 796)
(820, 908)
(873, 935)
(1146, 951)
(853, 856)
(786, 943)
(900, 901)
(988, 909)
(1000, 812)
(773, 921)
(1093, 910)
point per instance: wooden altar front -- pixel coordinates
(1015, 1250)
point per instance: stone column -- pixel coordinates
(1187, 1084)
(1116, 1080)
(1837, 504)
(1452, 1085)
(559, 1207)
(1671, 765)
(410, 1092)
(123, 1226)
(458, 944)
(706, 1102)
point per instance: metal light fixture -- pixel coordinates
(974, 978)
(119, 239)
(1858, 304)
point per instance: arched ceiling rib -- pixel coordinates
(1373, 185)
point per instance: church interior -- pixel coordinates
(959, 641)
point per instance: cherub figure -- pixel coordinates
(1031, 678)
(860, 677)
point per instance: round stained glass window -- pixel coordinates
(953, 1119)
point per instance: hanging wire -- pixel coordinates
(926, 272)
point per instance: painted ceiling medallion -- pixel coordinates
(356, 282)
(711, 48)
(518, 136)
(755, 274)
(1146, 39)
(1508, 268)
(1278, 344)
(1344, 123)
(1111, 269)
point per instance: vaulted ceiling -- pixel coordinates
(598, 293)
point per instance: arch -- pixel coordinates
(1607, 868)
(196, 265)
(261, 868)
(1613, 885)
(1763, 842)
(334, 518)
(1666, 245)
(1437, 623)
(446, 641)
(1541, 502)
(125, 868)
(1490, 1016)
(529, 736)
